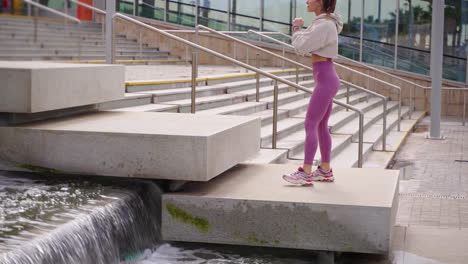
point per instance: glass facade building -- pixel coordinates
(390, 33)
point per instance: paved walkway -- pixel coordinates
(432, 220)
(165, 72)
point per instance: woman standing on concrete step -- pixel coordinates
(321, 40)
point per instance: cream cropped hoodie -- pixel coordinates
(320, 38)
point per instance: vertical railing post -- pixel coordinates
(234, 47)
(361, 139)
(399, 110)
(368, 86)
(140, 43)
(297, 71)
(464, 107)
(283, 61)
(194, 80)
(411, 102)
(257, 77)
(275, 116)
(247, 59)
(347, 97)
(384, 133)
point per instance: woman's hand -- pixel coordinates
(298, 22)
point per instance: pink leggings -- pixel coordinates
(327, 84)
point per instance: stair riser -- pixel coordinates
(204, 106)
(175, 97)
(266, 141)
(371, 122)
(288, 100)
(263, 94)
(125, 103)
(248, 111)
(269, 120)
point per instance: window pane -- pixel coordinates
(125, 6)
(151, 9)
(414, 32)
(349, 41)
(379, 32)
(182, 12)
(277, 10)
(245, 14)
(213, 14)
(455, 40)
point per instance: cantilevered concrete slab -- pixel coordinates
(33, 86)
(134, 144)
(251, 205)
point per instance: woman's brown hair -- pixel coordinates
(329, 6)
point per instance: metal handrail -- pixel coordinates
(307, 67)
(342, 66)
(385, 101)
(279, 57)
(53, 11)
(254, 69)
(412, 105)
(465, 98)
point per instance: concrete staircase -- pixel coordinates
(236, 96)
(57, 41)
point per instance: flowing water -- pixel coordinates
(49, 219)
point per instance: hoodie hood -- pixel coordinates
(333, 16)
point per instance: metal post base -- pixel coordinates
(428, 136)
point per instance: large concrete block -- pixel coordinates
(251, 205)
(135, 144)
(30, 87)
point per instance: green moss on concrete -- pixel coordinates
(277, 242)
(38, 169)
(180, 215)
(347, 248)
(253, 239)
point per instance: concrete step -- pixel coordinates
(79, 58)
(57, 86)
(245, 108)
(285, 98)
(236, 81)
(348, 121)
(134, 144)
(298, 108)
(395, 138)
(132, 50)
(370, 117)
(285, 127)
(203, 91)
(252, 205)
(148, 108)
(60, 39)
(268, 156)
(20, 23)
(268, 91)
(73, 51)
(130, 100)
(207, 102)
(295, 145)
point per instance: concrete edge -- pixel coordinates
(423, 114)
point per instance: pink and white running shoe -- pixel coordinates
(299, 177)
(320, 175)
